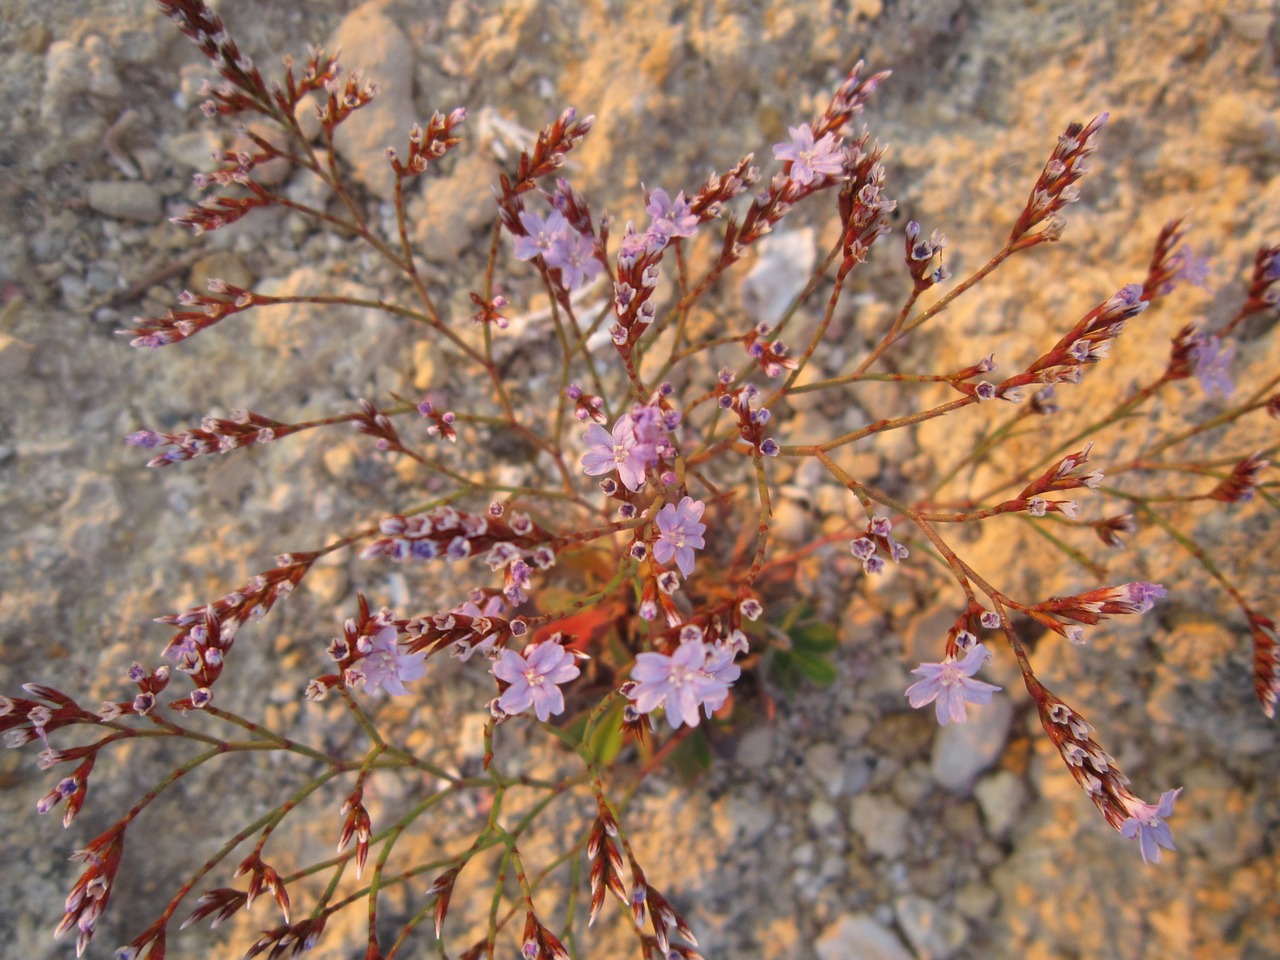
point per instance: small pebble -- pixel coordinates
(125, 200)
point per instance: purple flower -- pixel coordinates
(671, 218)
(721, 669)
(1192, 269)
(810, 162)
(144, 438)
(1213, 366)
(949, 684)
(386, 667)
(651, 427)
(680, 533)
(575, 255)
(634, 244)
(620, 450)
(533, 678)
(1146, 825)
(695, 676)
(1143, 595)
(542, 238)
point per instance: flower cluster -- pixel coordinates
(455, 535)
(385, 665)
(660, 515)
(369, 655)
(696, 677)
(770, 355)
(206, 632)
(752, 420)
(1086, 343)
(877, 540)
(92, 891)
(1065, 474)
(920, 255)
(214, 435)
(1096, 771)
(561, 248)
(203, 311)
(810, 161)
(1056, 185)
(1094, 606)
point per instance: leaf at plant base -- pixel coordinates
(814, 667)
(815, 637)
(606, 739)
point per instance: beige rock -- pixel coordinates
(372, 43)
(125, 200)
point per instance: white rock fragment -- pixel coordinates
(961, 751)
(822, 814)
(881, 824)
(933, 932)
(859, 935)
(100, 78)
(122, 200)
(65, 68)
(785, 264)
(1001, 797)
(822, 761)
(90, 514)
(756, 747)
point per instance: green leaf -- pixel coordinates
(816, 668)
(807, 656)
(816, 637)
(606, 738)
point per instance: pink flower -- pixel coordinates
(680, 533)
(620, 450)
(695, 676)
(948, 685)
(533, 678)
(1146, 825)
(385, 666)
(810, 162)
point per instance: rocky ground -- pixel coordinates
(850, 826)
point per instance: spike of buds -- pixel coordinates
(442, 889)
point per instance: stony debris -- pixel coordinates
(934, 933)
(859, 935)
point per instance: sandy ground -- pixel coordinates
(830, 833)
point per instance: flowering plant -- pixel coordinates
(624, 567)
